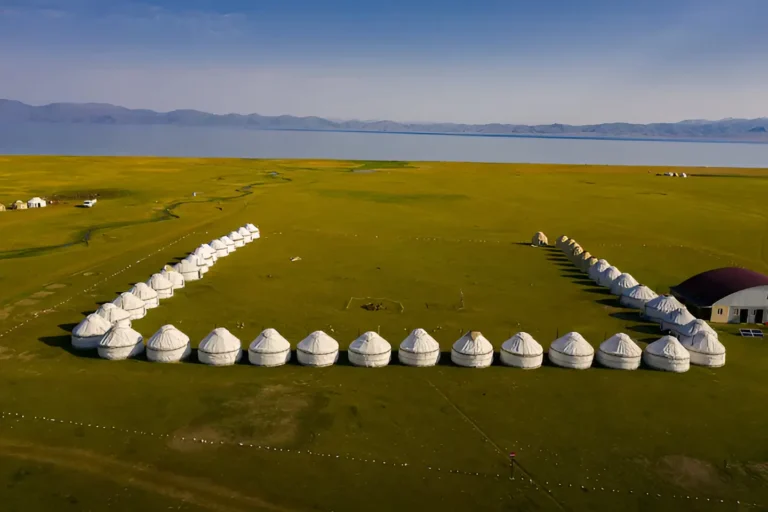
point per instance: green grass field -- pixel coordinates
(351, 439)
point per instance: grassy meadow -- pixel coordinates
(447, 241)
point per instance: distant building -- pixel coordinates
(2, 207)
(726, 295)
(36, 202)
(19, 205)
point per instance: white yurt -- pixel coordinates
(676, 319)
(114, 315)
(576, 253)
(161, 285)
(255, 233)
(587, 264)
(522, 351)
(210, 250)
(317, 349)
(691, 329)
(87, 334)
(561, 241)
(370, 350)
(657, 309)
(582, 259)
(204, 256)
(147, 294)
(229, 243)
(245, 234)
(619, 352)
(637, 297)
(36, 202)
(132, 304)
(237, 238)
(121, 343)
(539, 240)
(176, 279)
(597, 269)
(168, 345)
(608, 276)
(571, 351)
(220, 248)
(188, 270)
(623, 282)
(219, 348)
(705, 349)
(269, 349)
(419, 349)
(667, 354)
(472, 350)
(198, 262)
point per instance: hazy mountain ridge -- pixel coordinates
(101, 113)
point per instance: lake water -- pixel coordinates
(163, 140)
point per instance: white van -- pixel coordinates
(89, 203)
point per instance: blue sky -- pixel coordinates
(469, 61)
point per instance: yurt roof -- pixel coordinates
(219, 341)
(243, 231)
(234, 235)
(159, 282)
(585, 256)
(706, 342)
(664, 304)
(640, 292)
(370, 343)
(119, 337)
(573, 344)
(539, 235)
(269, 341)
(318, 343)
(669, 348)
(610, 273)
(92, 325)
(202, 252)
(250, 227)
(143, 291)
(592, 261)
(625, 281)
(679, 317)
(172, 275)
(473, 343)
(186, 266)
(167, 337)
(419, 341)
(522, 344)
(207, 248)
(112, 313)
(195, 260)
(696, 326)
(128, 301)
(600, 266)
(226, 240)
(621, 345)
(218, 245)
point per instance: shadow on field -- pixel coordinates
(627, 316)
(612, 302)
(64, 341)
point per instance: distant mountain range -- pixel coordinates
(106, 114)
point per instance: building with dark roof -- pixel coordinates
(726, 295)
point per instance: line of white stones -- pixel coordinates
(547, 487)
(93, 286)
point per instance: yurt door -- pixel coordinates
(744, 315)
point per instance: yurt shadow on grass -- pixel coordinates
(64, 341)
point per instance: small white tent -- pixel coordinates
(658, 308)
(587, 264)
(176, 279)
(204, 255)
(637, 296)
(269, 349)
(676, 319)
(370, 350)
(576, 253)
(87, 334)
(114, 315)
(597, 269)
(168, 345)
(472, 350)
(317, 349)
(188, 270)
(608, 276)
(522, 351)
(571, 351)
(582, 259)
(691, 329)
(210, 250)
(145, 292)
(161, 285)
(419, 349)
(229, 243)
(121, 343)
(198, 262)
(245, 234)
(220, 248)
(255, 233)
(623, 282)
(237, 238)
(36, 202)
(667, 354)
(219, 348)
(539, 240)
(619, 352)
(705, 349)
(561, 241)
(132, 304)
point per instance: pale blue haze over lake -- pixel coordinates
(164, 140)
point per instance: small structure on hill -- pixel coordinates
(705, 349)
(176, 279)
(162, 286)
(2, 207)
(317, 349)
(188, 270)
(539, 240)
(522, 351)
(623, 282)
(132, 304)
(237, 238)
(571, 351)
(121, 343)
(676, 319)
(667, 354)
(726, 295)
(114, 315)
(147, 294)
(229, 243)
(691, 329)
(637, 297)
(36, 202)
(657, 309)
(255, 233)
(419, 349)
(220, 248)
(243, 231)
(19, 205)
(608, 276)
(619, 352)
(219, 348)
(204, 255)
(370, 350)
(168, 345)
(472, 350)
(269, 348)
(597, 269)
(88, 333)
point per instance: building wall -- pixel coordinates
(752, 299)
(721, 314)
